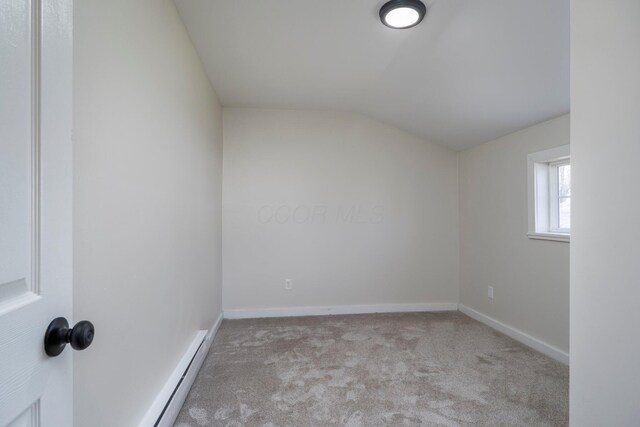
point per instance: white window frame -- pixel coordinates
(542, 194)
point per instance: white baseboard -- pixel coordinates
(339, 309)
(166, 406)
(517, 335)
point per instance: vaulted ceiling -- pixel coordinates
(472, 71)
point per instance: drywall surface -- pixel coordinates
(471, 72)
(530, 277)
(147, 210)
(605, 260)
(352, 211)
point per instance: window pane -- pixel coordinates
(564, 180)
(564, 217)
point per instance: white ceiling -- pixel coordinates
(472, 71)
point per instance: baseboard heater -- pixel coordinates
(166, 407)
(176, 400)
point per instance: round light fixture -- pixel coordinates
(402, 13)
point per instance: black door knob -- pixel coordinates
(58, 335)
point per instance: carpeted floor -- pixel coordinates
(429, 369)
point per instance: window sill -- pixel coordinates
(550, 236)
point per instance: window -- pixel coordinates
(550, 194)
(560, 196)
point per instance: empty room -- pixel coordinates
(302, 213)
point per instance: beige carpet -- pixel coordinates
(429, 369)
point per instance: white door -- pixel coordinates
(35, 209)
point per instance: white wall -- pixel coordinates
(147, 191)
(605, 260)
(291, 179)
(530, 277)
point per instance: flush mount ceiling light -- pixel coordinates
(402, 13)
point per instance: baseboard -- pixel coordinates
(339, 309)
(166, 406)
(517, 335)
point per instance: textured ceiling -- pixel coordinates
(470, 72)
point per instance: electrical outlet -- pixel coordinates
(288, 285)
(490, 292)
